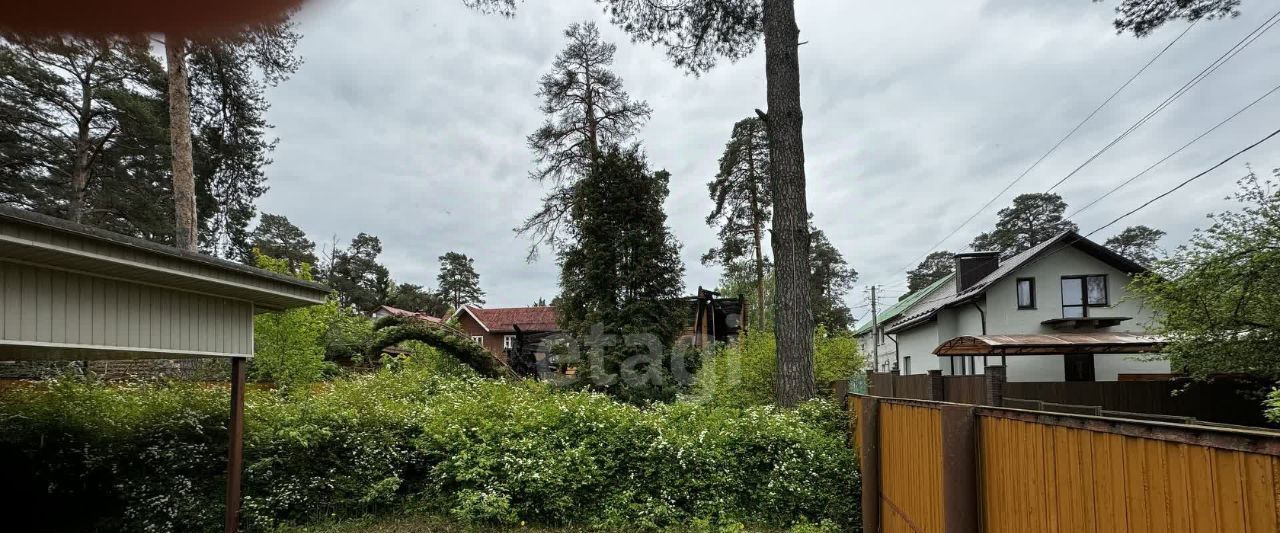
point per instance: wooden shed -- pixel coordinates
(74, 292)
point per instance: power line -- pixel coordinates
(1185, 182)
(1175, 152)
(1204, 73)
(1053, 148)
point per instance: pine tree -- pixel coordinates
(1138, 243)
(743, 204)
(1032, 219)
(622, 275)
(1145, 16)
(278, 238)
(62, 103)
(830, 280)
(416, 298)
(459, 282)
(586, 109)
(360, 281)
(696, 35)
(934, 267)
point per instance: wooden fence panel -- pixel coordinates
(1224, 401)
(965, 389)
(915, 386)
(910, 468)
(1044, 478)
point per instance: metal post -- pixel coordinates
(235, 444)
(869, 458)
(959, 470)
(875, 331)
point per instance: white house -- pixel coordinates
(1068, 292)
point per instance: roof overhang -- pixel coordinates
(1051, 344)
(52, 243)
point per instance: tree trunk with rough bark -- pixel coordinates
(756, 235)
(793, 320)
(184, 181)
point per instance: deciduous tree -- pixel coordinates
(458, 280)
(1138, 243)
(1032, 219)
(935, 266)
(1217, 298)
(586, 109)
(743, 204)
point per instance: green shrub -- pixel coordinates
(742, 373)
(152, 457)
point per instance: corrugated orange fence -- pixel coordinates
(1031, 471)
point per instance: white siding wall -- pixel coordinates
(1004, 317)
(76, 311)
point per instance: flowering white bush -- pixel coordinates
(152, 457)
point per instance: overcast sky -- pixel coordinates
(408, 121)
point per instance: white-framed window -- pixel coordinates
(479, 339)
(906, 365)
(508, 342)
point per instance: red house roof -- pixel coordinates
(504, 319)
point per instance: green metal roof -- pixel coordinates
(904, 304)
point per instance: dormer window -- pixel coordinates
(1079, 293)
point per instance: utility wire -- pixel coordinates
(1053, 148)
(1204, 73)
(1185, 182)
(1175, 152)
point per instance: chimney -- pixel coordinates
(972, 267)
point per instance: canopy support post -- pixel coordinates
(235, 444)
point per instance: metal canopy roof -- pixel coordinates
(1051, 344)
(48, 242)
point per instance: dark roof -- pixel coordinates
(504, 319)
(1051, 344)
(32, 218)
(1056, 244)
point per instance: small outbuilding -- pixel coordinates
(74, 292)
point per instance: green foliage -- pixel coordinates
(276, 237)
(289, 347)
(1273, 406)
(743, 205)
(1032, 219)
(934, 267)
(586, 111)
(459, 282)
(1217, 298)
(739, 277)
(1141, 244)
(393, 331)
(411, 297)
(744, 373)
(829, 280)
(356, 275)
(1141, 17)
(152, 457)
(622, 274)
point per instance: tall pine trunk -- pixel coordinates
(80, 167)
(793, 321)
(184, 181)
(756, 234)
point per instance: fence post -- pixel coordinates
(840, 393)
(872, 390)
(869, 458)
(893, 381)
(995, 385)
(937, 386)
(959, 469)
